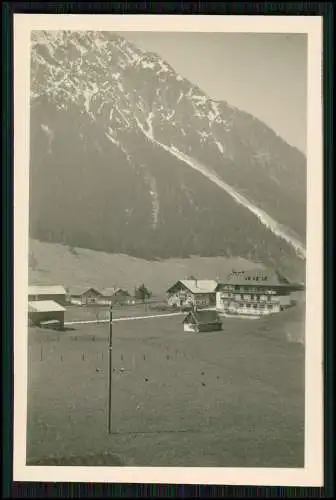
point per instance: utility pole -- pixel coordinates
(110, 375)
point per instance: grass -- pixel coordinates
(55, 263)
(230, 399)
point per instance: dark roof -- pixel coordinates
(121, 291)
(203, 317)
(267, 277)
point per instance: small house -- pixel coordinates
(40, 311)
(121, 296)
(115, 295)
(55, 293)
(193, 292)
(202, 321)
(83, 295)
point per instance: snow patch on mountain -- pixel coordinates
(147, 64)
(264, 218)
(112, 139)
(220, 146)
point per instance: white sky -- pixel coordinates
(264, 74)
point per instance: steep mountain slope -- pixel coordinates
(127, 156)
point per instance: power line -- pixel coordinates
(110, 376)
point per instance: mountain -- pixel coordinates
(127, 156)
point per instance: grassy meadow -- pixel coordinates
(233, 398)
(60, 264)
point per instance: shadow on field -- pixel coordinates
(93, 460)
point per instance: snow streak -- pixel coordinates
(264, 218)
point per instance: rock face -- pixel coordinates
(128, 156)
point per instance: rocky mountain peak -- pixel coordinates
(100, 104)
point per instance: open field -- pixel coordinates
(55, 263)
(92, 313)
(232, 398)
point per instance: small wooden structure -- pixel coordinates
(202, 321)
(41, 311)
(55, 293)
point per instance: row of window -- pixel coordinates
(248, 289)
(256, 298)
(257, 277)
(252, 306)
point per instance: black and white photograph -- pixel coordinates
(168, 262)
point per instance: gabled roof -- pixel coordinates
(121, 290)
(110, 292)
(266, 277)
(81, 289)
(202, 317)
(45, 306)
(197, 286)
(46, 290)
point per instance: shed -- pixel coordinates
(40, 311)
(202, 321)
(55, 293)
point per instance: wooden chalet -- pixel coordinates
(254, 292)
(83, 295)
(192, 292)
(115, 295)
(202, 321)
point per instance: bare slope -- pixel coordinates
(55, 263)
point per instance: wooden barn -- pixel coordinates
(40, 311)
(56, 293)
(83, 295)
(202, 321)
(192, 292)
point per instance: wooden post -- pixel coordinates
(110, 375)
